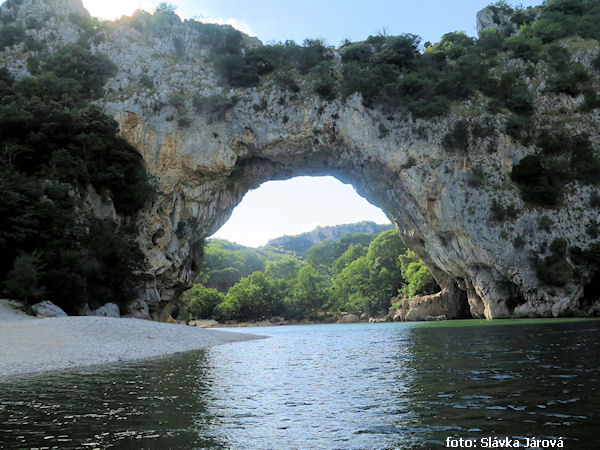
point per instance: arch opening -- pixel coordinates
(294, 206)
(311, 216)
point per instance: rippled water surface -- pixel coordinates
(327, 386)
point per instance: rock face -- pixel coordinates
(205, 165)
(494, 17)
(47, 309)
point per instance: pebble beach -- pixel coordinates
(29, 345)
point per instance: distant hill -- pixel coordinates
(300, 243)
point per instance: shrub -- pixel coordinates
(571, 81)
(557, 56)
(554, 270)
(545, 223)
(184, 122)
(286, 81)
(33, 45)
(519, 242)
(215, 106)
(596, 62)
(360, 53)
(81, 21)
(591, 99)
(419, 280)
(179, 46)
(523, 46)
(165, 9)
(484, 128)
(310, 55)
(476, 177)
(489, 43)
(224, 39)
(235, 71)
(11, 35)
(592, 229)
(499, 212)
(33, 65)
(458, 138)
(519, 127)
(537, 183)
(595, 200)
(325, 88)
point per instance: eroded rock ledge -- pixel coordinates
(205, 165)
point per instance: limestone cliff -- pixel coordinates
(439, 201)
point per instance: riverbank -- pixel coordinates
(260, 323)
(30, 345)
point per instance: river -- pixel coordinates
(389, 385)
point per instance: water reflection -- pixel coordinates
(508, 381)
(153, 404)
(326, 386)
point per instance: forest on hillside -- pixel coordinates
(56, 149)
(359, 273)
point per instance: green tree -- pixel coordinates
(308, 294)
(23, 281)
(199, 302)
(252, 298)
(165, 8)
(351, 289)
(76, 62)
(385, 277)
(351, 254)
(419, 280)
(285, 268)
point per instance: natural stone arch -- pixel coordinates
(399, 163)
(439, 200)
(207, 168)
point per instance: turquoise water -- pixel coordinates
(327, 386)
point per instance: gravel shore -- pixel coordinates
(39, 345)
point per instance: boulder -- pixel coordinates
(349, 318)
(107, 310)
(399, 315)
(12, 310)
(47, 309)
(438, 306)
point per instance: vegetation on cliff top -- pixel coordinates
(393, 72)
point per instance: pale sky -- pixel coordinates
(334, 20)
(294, 206)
